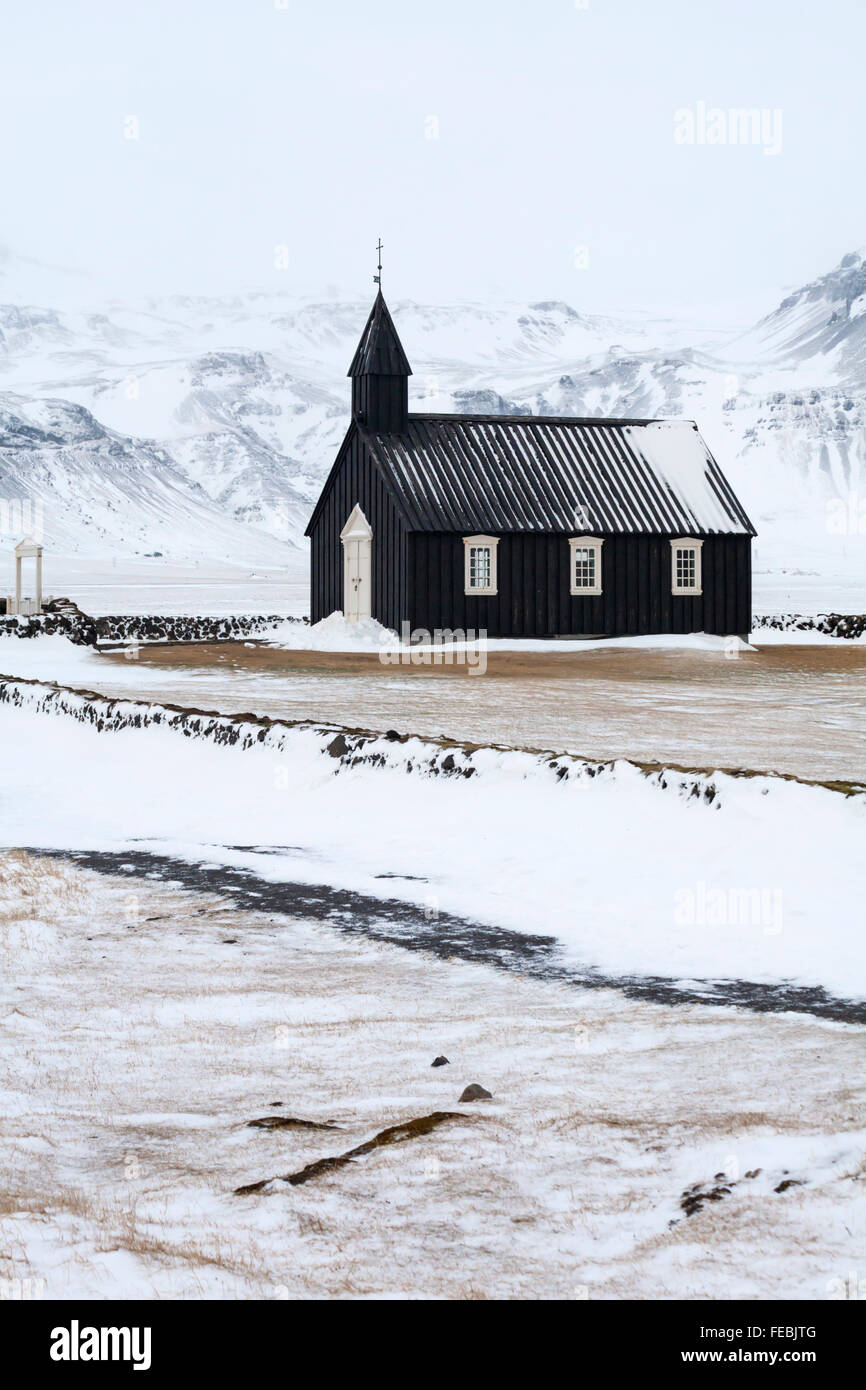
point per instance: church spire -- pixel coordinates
(380, 374)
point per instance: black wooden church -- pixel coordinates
(526, 526)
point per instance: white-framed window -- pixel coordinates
(686, 578)
(585, 564)
(480, 564)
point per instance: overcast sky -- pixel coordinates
(503, 148)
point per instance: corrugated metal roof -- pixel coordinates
(495, 473)
(380, 351)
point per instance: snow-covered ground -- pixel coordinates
(126, 1112)
(763, 882)
(806, 637)
(337, 634)
(160, 586)
(785, 707)
(631, 1149)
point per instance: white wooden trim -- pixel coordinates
(584, 543)
(357, 539)
(357, 525)
(491, 543)
(679, 590)
(28, 549)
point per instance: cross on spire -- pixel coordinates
(377, 279)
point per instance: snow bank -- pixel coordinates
(337, 634)
(347, 748)
(665, 641)
(800, 637)
(669, 874)
(333, 634)
(45, 657)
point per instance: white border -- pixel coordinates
(492, 542)
(687, 543)
(585, 543)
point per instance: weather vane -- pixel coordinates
(377, 279)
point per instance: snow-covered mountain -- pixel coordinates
(824, 321)
(201, 429)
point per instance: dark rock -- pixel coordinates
(338, 747)
(440, 1062)
(475, 1092)
(693, 1199)
(395, 1134)
(66, 618)
(788, 1182)
(288, 1122)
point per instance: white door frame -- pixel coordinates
(357, 539)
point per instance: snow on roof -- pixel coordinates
(679, 458)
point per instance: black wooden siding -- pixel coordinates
(356, 480)
(418, 577)
(427, 481)
(533, 598)
(381, 403)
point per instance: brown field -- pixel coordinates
(798, 710)
(617, 663)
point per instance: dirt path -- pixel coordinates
(799, 710)
(450, 937)
(628, 1151)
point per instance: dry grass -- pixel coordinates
(136, 1052)
(788, 709)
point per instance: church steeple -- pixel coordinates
(380, 375)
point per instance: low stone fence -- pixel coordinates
(850, 625)
(86, 631)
